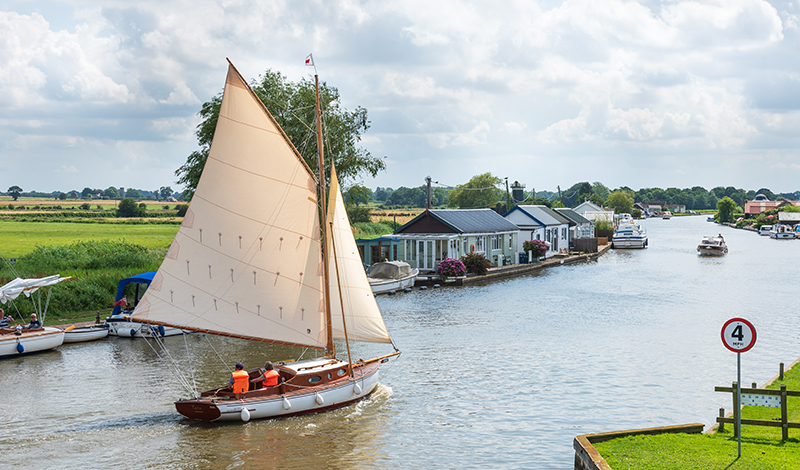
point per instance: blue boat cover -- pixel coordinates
(143, 278)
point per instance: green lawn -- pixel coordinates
(762, 448)
(20, 238)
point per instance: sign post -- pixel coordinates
(738, 335)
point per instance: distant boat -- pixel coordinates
(764, 230)
(712, 246)
(710, 218)
(85, 333)
(390, 276)
(666, 215)
(17, 341)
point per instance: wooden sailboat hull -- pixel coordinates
(85, 333)
(30, 341)
(294, 400)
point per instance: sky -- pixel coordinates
(549, 93)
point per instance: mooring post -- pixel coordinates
(736, 409)
(755, 385)
(784, 414)
(721, 424)
(780, 375)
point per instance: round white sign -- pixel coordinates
(738, 335)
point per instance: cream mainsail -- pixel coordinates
(247, 260)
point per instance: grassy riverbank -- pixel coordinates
(762, 447)
(96, 266)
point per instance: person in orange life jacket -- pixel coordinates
(239, 379)
(270, 376)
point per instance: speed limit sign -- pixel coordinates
(738, 335)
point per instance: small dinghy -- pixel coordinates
(85, 333)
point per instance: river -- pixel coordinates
(502, 375)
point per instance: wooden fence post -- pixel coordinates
(736, 408)
(780, 375)
(755, 385)
(721, 415)
(784, 414)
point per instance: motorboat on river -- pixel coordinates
(20, 340)
(388, 276)
(629, 234)
(712, 246)
(261, 256)
(782, 232)
(764, 230)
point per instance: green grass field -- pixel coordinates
(20, 238)
(762, 447)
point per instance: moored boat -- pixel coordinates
(85, 333)
(22, 340)
(390, 276)
(782, 232)
(764, 230)
(273, 264)
(120, 322)
(629, 235)
(712, 246)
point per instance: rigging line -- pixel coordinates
(171, 365)
(215, 352)
(189, 361)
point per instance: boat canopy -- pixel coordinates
(18, 286)
(143, 278)
(390, 270)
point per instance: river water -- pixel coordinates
(502, 375)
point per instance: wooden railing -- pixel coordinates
(759, 397)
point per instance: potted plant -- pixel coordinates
(535, 248)
(450, 268)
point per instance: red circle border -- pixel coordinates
(750, 325)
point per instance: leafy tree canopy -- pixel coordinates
(479, 192)
(621, 201)
(14, 192)
(293, 107)
(726, 207)
(357, 194)
(128, 208)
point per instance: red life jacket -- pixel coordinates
(241, 381)
(271, 378)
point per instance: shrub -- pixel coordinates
(128, 208)
(476, 263)
(86, 206)
(358, 214)
(182, 210)
(537, 247)
(450, 267)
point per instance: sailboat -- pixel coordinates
(260, 256)
(19, 340)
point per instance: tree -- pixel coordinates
(111, 192)
(358, 214)
(292, 106)
(726, 207)
(133, 194)
(357, 194)
(165, 192)
(14, 191)
(128, 208)
(621, 201)
(479, 192)
(601, 190)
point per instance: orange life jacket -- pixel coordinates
(271, 378)
(241, 381)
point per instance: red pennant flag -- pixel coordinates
(310, 60)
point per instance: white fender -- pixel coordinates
(318, 398)
(286, 404)
(245, 415)
(357, 389)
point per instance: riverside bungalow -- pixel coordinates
(594, 212)
(579, 226)
(437, 234)
(375, 250)
(538, 222)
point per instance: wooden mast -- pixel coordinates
(329, 347)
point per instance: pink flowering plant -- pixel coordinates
(538, 247)
(450, 267)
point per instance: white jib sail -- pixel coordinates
(364, 320)
(247, 259)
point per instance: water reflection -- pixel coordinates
(501, 375)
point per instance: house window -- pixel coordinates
(563, 233)
(479, 245)
(510, 242)
(548, 235)
(411, 252)
(497, 242)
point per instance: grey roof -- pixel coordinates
(542, 214)
(474, 220)
(573, 216)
